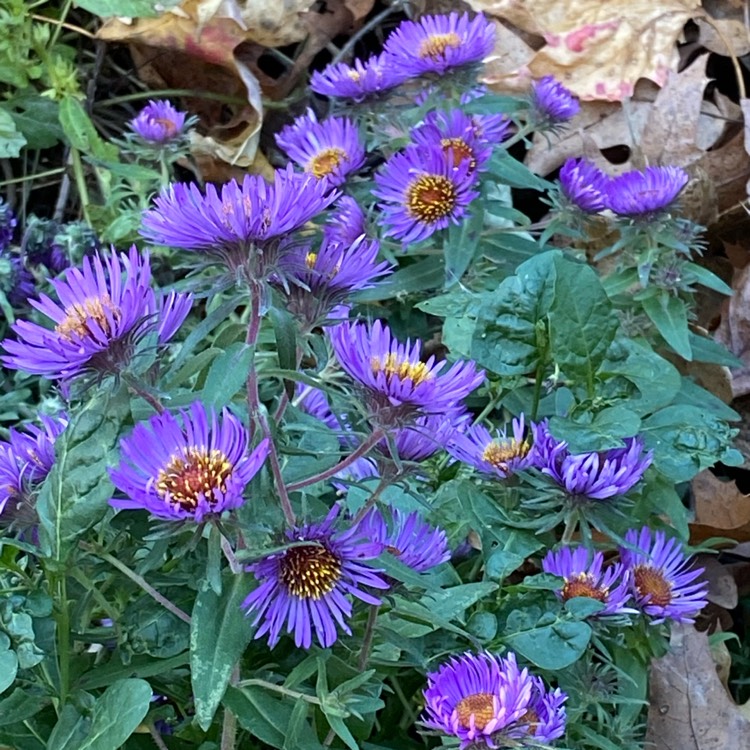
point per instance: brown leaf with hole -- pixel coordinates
(689, 708)
(720, 509)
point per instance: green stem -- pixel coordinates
(80, 177)
(156, 737)
(571, 524)
(362, 512)
(538, 378)
(142, 390)
(228, 730)
(63, 638)
(279, 689)
(364, 653)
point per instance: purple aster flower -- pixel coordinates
(8, 224)
(360, 470)
(422, 192)
(99, 319)
(187, 468)
(158, 122)
(553, 103)
(477, 698)
(315, 403)
(641, 194)
(584, 577)
(346, 224)
(359, 81)
(330, 150)
(501, 455)
(596, 476)
(545, 718)
(397, 382)
(305, 587)
(584, 185)
(424, 438)
(440, 43)
(662, 579)
(231, 224)
(16, 280)
(407, 537)
(491, 128)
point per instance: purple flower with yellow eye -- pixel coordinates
(439, 43)
(398, 385)
(187, 468)
(642, 194)
(662, 578)
(545, 719)
(158, 122)
(584, 185)
(105, 309)
(359, 81)
(583, 575)
(421, 192)
(329, 150)
(552, 103)
(307, 587)
(595, 475)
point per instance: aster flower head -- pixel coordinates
(16, 281)
(105, 308)
(419, 441)
(546, 718)
(398, 385)
(307, 587)
(593, 476)
(553, 103)
(440, 43)
(584, 185)
(186, 468)
(329, 150)
(407, 537)
(8, 223)
(347, 222)
(241, 218)
(583, 576)
(639, 194)
(421, 192)
(662, 578)
(359, 81)
(501, 455)
(158, 122)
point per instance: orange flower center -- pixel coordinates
(322, 164)
(460, 150)
(198, 472)
(436, 44)
(417, 372)
(583, 585)
(480, 706)
(499, 453)
(77, 317)
(169, 125)
(431, 197)
(650, 581)
(531, 718)
(310, 571)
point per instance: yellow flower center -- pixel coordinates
(650, 581)
(460, 150)
(436, 44)
(310, 571)
(480, 706)
(417, 372)
(310, 259)
(499, 453)
(583, 585)
(325, 162)
(77, 317)
(353, 75)
(431, 197)
(197, 472)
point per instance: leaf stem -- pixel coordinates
(80, 177)
(63, 637)
(571, 524)
(279, 689)
(364, 653)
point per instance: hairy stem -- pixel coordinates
(279, 689)
(364, 653)
(63, 637)
(571, 524)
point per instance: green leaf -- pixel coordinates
(461, 245)
(227, 375)
(128, 8)
(11, 141)
(550, 646)
(8, 663)
(219, 634)
(513, 547)
(428, 273)
(582, 322)
(75, 494)
(706, 349)
(670, 316)
(707, 278)
(81, 133)
(37, 119)
(262, 715)
(117, 713)
(605, 431)
(514, 173)
(20, 705)
(72, 727)
(285, 331)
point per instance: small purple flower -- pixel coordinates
(440, 43)
(662, 579)
(408, 538)
(329, 150)
(479, 699)
(398, 384)
(428, 435)
(501, 456)
(99, 320)
(232, 223)
(552, 102)
(189, 468)
(583, 576)
(584, 185)
(158, 122)
(8, 223)
(359, 81)
(305, 587)
(594, 476)
(346, 224)
(423, 192)
(641, 194)
(15, 279)
(545, 719)
(315, 403)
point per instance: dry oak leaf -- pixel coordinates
(600, 49)
(734, 329)
(689, 708)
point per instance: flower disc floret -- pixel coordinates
(662, 578)
(307, 587)
(440, 43)
(186, 468)
(158, 122)
(359, 81)
(584, 185)
(642, 194)
(553, 103)
(104, 309)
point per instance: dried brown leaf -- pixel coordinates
(734, 329)
(719, 504)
